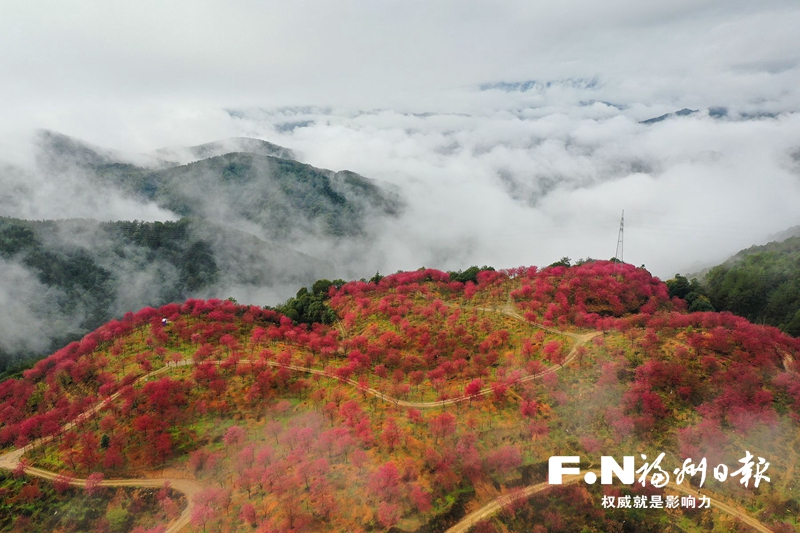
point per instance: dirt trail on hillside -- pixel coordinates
(579, 338)
(497, 504)
(510, 309)
(11, 459)
(494, 506)
(188, 487)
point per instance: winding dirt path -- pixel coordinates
(497, 504)
(581, 340)
(494, 506)
(188, 487)
(11, 459)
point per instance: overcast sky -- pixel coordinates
(492, 176)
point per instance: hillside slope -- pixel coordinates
(761, 283)
(259, 222)
(426, 400)
(184, 155)
(258, 184)
(81, 273)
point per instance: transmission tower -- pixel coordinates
(618, 255)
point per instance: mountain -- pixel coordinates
(761, 283)
(56, 152)
(222, 147)
(429, 404)
(539, 86)
(258, 185)
(794, 231)
(244, 216)
(59, 151)
(71, 276)
(681, 113)
(716, 112)
(281, 197)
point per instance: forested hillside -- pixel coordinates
(761, 283)
(423, 400)
(259, 184)
(83, 272)
(249, 211)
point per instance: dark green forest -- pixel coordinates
(761, 283)
(245, 204)
(86, 286)
(279, 195)
(260, 183)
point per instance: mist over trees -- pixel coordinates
(245, 216)
(191, 334)
(427, 394)
(761, 283)
(65, 278)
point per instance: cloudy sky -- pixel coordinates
(406, 92)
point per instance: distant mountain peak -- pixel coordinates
(681, 113)
(183, 155)
(541, 86)
(60, 152)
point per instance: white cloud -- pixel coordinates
(498, 189)
(491, 177)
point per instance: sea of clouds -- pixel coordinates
(512, 130)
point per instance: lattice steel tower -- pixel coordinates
(618, 255)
